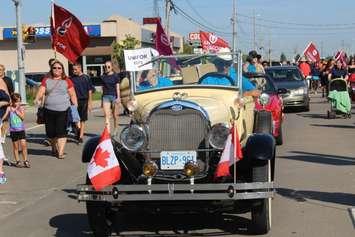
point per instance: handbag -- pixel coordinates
(40, 112)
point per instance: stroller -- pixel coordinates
(339, 99)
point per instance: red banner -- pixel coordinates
(211, 42)
(162, 43)
(68, 35)
(312, 53)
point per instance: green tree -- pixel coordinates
(297, 57)
(118, 47)
(283, 57)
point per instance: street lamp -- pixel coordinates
(20, 52)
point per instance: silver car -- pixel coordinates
(290, 77)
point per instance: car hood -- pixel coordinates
(290, 84)
(215, 103)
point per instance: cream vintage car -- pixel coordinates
(170, 152)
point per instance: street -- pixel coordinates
(315, 178)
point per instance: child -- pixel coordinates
(4, 102)
(16, 115)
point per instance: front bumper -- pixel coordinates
(295, 100)
(176, 192)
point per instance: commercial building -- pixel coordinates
(102, 36)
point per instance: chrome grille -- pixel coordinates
(176, 130)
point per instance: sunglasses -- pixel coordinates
(56, 67)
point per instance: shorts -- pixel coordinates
(56, 123)
(109, 99)
(83, 109)
(17, 135)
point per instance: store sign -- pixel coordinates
(45, 31)
(137, 59)
(194, 36)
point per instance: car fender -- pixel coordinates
(260, 146)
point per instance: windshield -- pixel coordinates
(284, 74)
(187, 71)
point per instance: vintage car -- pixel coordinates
(170, 152)
(275, 103)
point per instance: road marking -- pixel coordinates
(7, 202)
(33, 127)
(352, 215)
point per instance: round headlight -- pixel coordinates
(218, 135)
(133, 138)
(132, 105)
(264, 99)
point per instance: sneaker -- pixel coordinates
(2, 178)
(46, 142)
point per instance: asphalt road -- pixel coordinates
(315, 175)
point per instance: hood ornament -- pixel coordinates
(179, 95)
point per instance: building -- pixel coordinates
(102, 36)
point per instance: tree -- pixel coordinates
(118, 47)
(297, 57)
(283, 57)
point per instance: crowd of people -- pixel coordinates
(65, 101)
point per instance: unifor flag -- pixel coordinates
(68, 34)
(311, 52)
(341, 56)
(104, 169)
(162, 43)
(231, 154)
(212, 43)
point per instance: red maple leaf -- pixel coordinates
(100, 157)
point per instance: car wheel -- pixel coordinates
(99, 215)
(307, 108)
(261, 209)
(262, 122)
(279, 139)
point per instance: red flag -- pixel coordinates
(211, 42)
(341, 56)
(232, 153)
(104, 169)
(312, 53)
(162, 43)
(68, 34)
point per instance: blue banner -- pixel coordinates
(45, 31)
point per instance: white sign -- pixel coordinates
(135, 58)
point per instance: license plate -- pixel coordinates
(175, 160)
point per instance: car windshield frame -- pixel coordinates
(193, 61)
(289, 74)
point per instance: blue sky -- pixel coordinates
(288, 24)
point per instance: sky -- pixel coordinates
(282, 25)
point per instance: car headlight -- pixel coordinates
(132, 105)
(133, 138)
(299, 91)
(218, 135)
(264, 99)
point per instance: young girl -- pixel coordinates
(16, 115)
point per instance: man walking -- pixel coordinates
(83, 89)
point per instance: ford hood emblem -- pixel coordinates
(176, 108)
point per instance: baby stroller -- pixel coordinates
(339, 99)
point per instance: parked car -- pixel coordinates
(170, 152)
(290, 78)
(270, 101)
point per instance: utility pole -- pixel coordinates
(167, 18)
(155, 8)
(254, 30)
(234, 23)
(20, 52)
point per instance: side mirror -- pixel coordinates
(281, 91)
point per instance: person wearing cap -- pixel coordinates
(304, 67)
(223, 65)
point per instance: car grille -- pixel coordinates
(176, 130)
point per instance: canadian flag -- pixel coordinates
(341, 56)
(104, 169)
(232, 153)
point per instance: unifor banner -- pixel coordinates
(311, 52)
(138, 59)
(212, 43)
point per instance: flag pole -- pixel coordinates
(53, 22)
